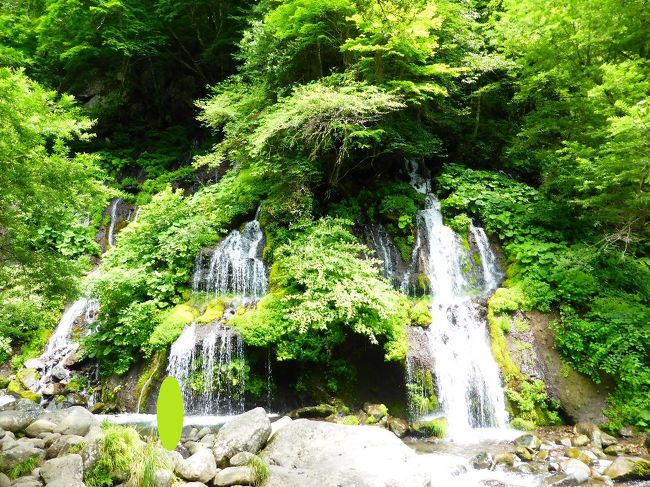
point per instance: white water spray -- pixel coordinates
(467, 377)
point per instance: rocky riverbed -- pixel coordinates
(69, 448)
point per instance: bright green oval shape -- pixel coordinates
(169, 413)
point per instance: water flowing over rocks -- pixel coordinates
(322, 453)
(467, 377)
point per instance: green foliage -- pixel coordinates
(421, 393)
(530, 403)
(322, 292)
(123, 455)
(25, 467)
(460, 224)
(350, 420)
(436, 427)
(171, 325)
(118, 451)
(420, 312)
(523, 424)
(260, 470)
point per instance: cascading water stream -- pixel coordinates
(208, 360)
(378, 239)
(111, 228)
(234, 266)
(467, 377)
(60, 345)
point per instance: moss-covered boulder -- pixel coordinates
(436, 427)
(172, 323)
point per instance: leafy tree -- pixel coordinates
(50, 197)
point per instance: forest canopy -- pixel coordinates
(532, 116)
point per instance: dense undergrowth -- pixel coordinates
(533, 117)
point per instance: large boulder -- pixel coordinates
(325, 454)
(40, 426)
(246, 432)
(628, 468)
(199, 467)
(15, 420)
(62, 445)
(69, 467)
(75, 420)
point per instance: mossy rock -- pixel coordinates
(172, 323)
(16, 387)
(213, 311)
(436, 427)
(523, 424)
(350, 420)
(420, 314)
(320, 411)
(424, 284)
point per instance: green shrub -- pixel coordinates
(420, 313)
(350, 420)
(323, 291)
(260, 470)
(522, 424)
(118, 453)
(24, 467)
(171, 325)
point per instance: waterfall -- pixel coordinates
(111, 228)
(234, 266)
(208, 360)
(209, 369)
(377, 239)
(60, 345)
(467, 377)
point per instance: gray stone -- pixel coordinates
(28, 481)
(580, 440)
(246, 432)
(626, 432)
(575, 470)
(193, 484)
(326, 455)
(241, 458)
(29, 379)
(62, 444)
(607, 440)
(234, 476)
(75, 420)
(524, 454)
(164, 478)
(15, 420)
(628, 468)
(565, 442)
(4, 480)
(614, 450)
(203, 431)
(320, 411)
(40, 426)
(208, 439)
(199, 467)
(194, 446)
(279, 424)
(482, 461)
(66, 483)
(68, 466)
(34, 363)
(398, 426)
(504, 458)
(17, 453)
